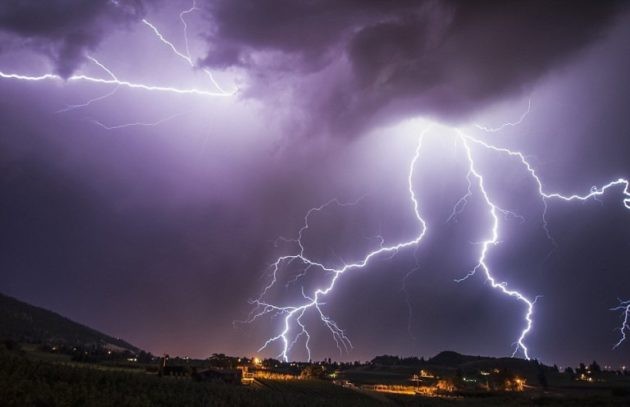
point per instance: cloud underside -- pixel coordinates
(343, 65)
(351, 63)
(65, 30)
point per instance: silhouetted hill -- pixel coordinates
(454, 359)
(22, 322)
(450, 360)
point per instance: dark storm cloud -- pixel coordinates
(65, 29)
(306, 32)
(403, 57)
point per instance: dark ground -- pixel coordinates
(29, 379)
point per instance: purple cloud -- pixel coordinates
(65, 29)
(351, 60)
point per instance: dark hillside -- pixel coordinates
(454, 359)
(22, 322)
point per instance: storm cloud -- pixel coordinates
(159, 225)
(390, 59)
(65, 30)
(342, 61)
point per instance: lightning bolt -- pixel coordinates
(594, 193)
(624, 328)
(96, 99)
(114, 80)
(136, 124)
(294, 328)
(461, 203)
(312, 303)
(185, 25)
(186, 56)
(296, 312)
(507, 124)
(493, 241)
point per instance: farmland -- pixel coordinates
(26, 379)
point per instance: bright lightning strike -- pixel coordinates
(186, 57)
(294, 329)
(293, 314)
(113, 80)
(96, 99)
(293, 326)
(624, 328)
(492, 241)
(594, 192)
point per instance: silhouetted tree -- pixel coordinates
(542, 377)
(569, 371)
(144, 357)
(594, 367)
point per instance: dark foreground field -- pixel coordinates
(28, 381)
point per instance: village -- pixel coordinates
(446, 375)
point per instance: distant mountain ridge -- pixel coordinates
(23, 322)
(454, 359)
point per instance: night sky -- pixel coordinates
(153, 216)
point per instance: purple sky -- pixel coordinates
(161, 234)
